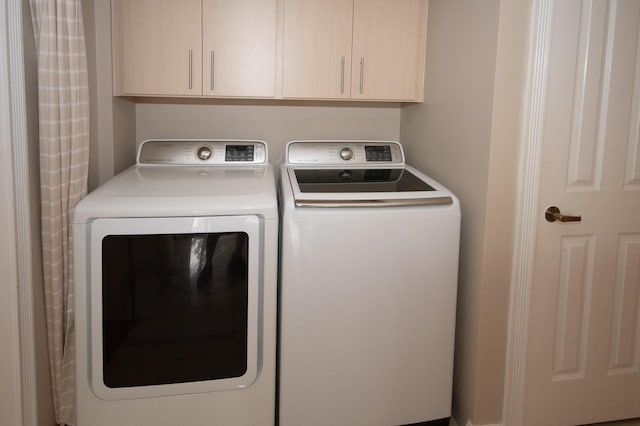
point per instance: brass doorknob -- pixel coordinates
(553, 214)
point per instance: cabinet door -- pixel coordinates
(317, 48)
(389, 43)
(239, 47)
(158, 47)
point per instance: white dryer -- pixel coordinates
(368, 287)
(176, 288)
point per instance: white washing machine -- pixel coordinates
(176, 288)
(368, 287)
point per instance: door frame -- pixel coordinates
(527, 209)
(13, 113)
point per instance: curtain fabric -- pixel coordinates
(64, 156)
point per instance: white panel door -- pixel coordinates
(583, 356)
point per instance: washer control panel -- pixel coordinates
(344, 152)
(186, 152)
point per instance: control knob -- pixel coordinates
(204, 153)
(346, 153)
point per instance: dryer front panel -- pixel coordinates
(174, 305)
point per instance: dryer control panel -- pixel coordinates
(198, 152)
(332, 153)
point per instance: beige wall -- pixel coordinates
(448, 136)
(113, 120)
(502, 195)
(465, 135)
(275, 123)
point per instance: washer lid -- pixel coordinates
(359, 180)
(365, 187)
(358, 173)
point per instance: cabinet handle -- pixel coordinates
(361, 74)
(342, 75)
(213, 61)
(190, 69)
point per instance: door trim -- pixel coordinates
(17, 119)
(527, 213)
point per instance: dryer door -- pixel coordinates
(173, 305)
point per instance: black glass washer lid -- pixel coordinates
(359, 180)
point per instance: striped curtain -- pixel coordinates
(64, 157)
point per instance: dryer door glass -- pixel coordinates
(175, 308)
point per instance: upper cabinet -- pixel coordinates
(317, 49)
(216, 48)
(239, 48)
(357, 49)
(370, 50)
(389, 46)
(158, 47)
